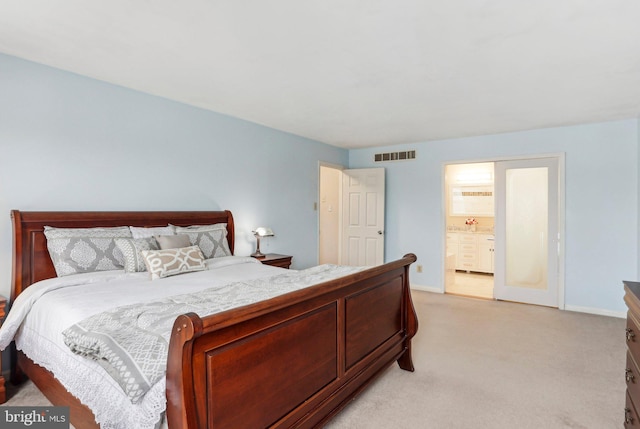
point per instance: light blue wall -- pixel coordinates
(72, 143)
(601, 203)
(68, 142)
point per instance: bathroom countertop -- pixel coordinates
(479, 230)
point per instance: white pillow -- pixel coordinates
(144, 232)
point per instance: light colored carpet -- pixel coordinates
(487, 364)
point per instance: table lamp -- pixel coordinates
(259, 233)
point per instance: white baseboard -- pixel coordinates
(598, 311)
(576, 308)
(426, 288)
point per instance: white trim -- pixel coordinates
(575, 308)
(561, 230)
(427, 288)
(598, 311)
(443, 221)
(505, 158)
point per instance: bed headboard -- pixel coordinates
(31, 261)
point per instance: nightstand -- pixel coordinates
(3, 392)
(273, 259)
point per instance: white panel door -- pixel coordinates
(363, 217)
(526, 230)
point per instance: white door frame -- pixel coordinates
(561, 213)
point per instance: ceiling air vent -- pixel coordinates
(395, 156)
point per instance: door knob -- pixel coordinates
(379, 232)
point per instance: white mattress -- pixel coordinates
(40, 314)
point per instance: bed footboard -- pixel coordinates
(294, 360)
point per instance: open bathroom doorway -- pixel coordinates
(470, 223)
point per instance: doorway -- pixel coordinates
(329, 214)
(504, 223)
(470, 214)
(351, 221)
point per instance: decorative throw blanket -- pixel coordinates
(132, 342)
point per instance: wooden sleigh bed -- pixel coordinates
(294, 360)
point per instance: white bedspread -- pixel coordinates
(40, 314)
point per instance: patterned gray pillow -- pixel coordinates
(131, 248)
(84, 250)
(212, 239)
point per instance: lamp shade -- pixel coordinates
(263, 232)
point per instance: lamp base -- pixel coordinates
(257, 254)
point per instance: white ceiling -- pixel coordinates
(352, 73)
